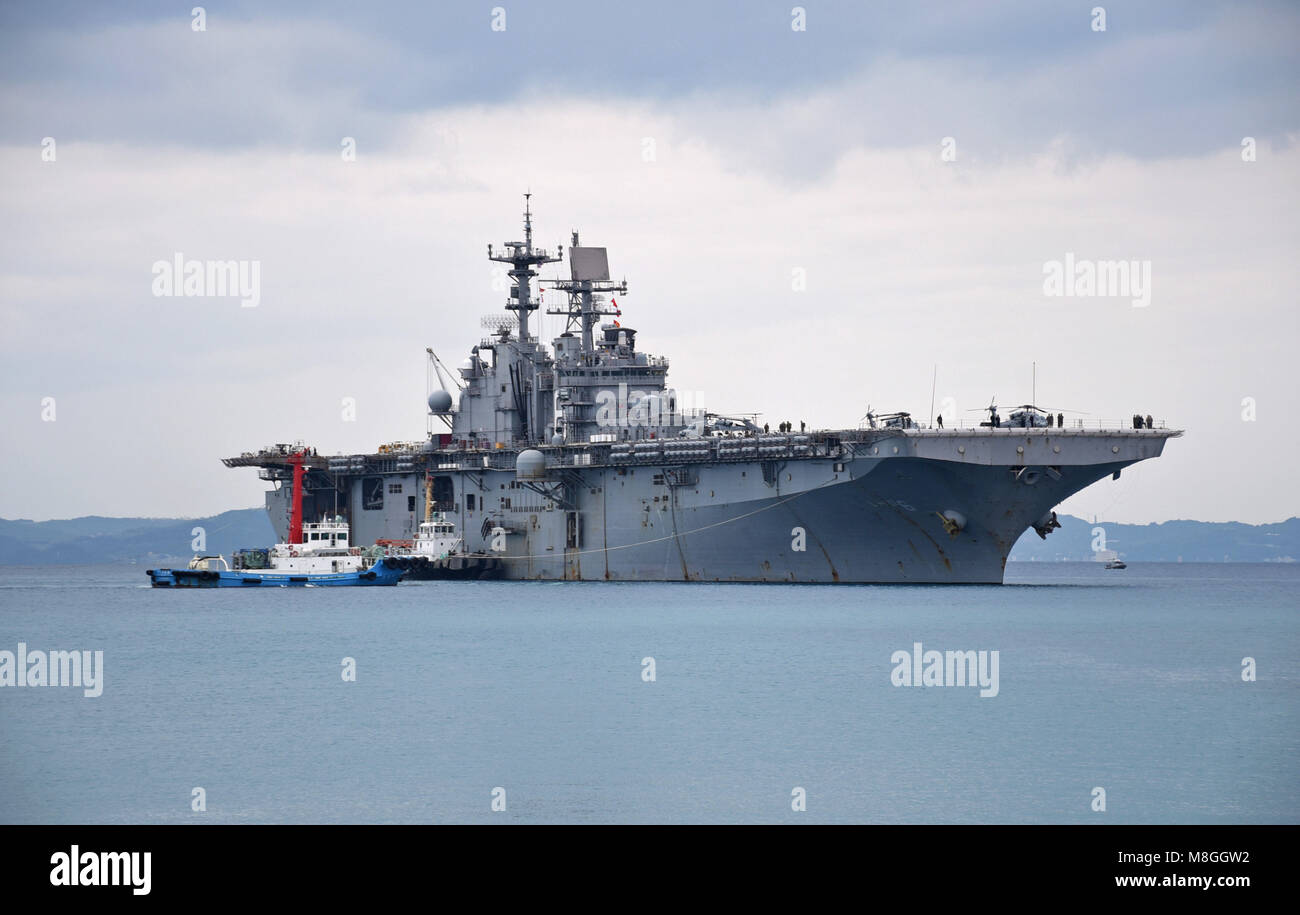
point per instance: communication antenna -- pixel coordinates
(933, 384)
(522, 258)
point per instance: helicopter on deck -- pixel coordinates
(1025, 416)
(1028, 416)
(887, 420)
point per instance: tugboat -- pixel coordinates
(316, 554)
(322, 558)
(438, 554)
(438, 539)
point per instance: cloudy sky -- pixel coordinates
(917, 163)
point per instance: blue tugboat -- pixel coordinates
(316, 554)
(319, 563)
(269, 568)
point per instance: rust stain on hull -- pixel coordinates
(835, 575)
(947, 563)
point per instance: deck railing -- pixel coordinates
(1070, 424)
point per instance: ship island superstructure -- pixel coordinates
(578, 462)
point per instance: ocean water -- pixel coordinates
(1129, 681)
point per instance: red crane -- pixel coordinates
(295, 507)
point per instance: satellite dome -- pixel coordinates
(530, 465)
(440, 402)
(467, 365)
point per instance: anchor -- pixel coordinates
(953, 522)
(1046, 525)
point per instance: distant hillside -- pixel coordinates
(96, 539)
(1171, 541)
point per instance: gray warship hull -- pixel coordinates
(866, 511)
(579, 462)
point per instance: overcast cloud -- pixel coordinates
(773, 150)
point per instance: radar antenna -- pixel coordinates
(586, 295)
(498, 324)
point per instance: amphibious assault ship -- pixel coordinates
(577, 462)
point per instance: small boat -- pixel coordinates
(1110, 558)
(438, 539)
(318, 554)
(322, 558)
(438, 553)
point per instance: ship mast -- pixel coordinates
(523, 257)
(586, 302)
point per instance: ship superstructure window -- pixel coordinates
(395, 487)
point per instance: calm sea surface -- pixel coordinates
(1130, 681)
